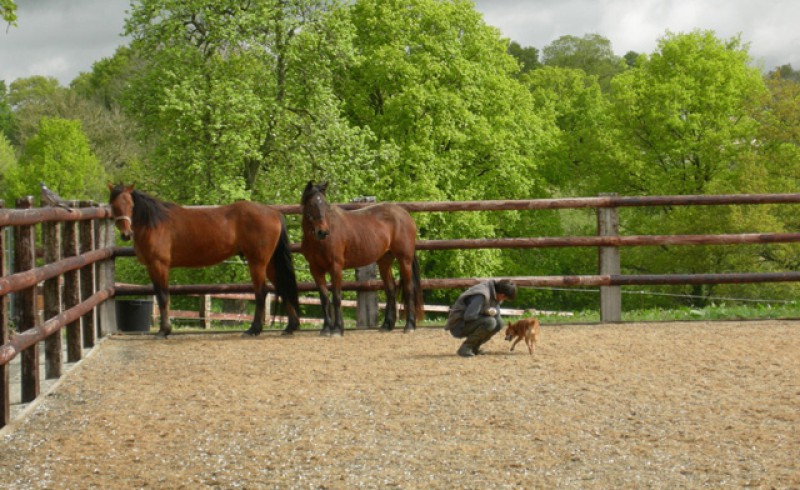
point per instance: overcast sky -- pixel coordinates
(61, 38)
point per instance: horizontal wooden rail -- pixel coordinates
(523, 281)
(577, 203)
(609, 241)
(26, 217)
(22, 280)
(9, 217)
(23, 340)
(581, 241)
(623, 280)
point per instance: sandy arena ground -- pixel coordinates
(682, 405)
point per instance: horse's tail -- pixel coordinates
(286, 287)
(419, 307)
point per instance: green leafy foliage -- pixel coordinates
(8, 11)
(8, 163)
(436, 86)
(591, 53)
(59, 155)
(238, 99)
(218, 100)
(6, 114)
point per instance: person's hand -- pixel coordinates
(491, 311)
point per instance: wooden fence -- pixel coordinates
(77, 269)
(205, 314)
(76, 277)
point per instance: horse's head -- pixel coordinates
(121, 202)
(315, 209)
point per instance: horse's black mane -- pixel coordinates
(148, 211)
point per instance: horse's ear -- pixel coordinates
(130, 187)
(307, 192)
(323, 187)
(110, 186)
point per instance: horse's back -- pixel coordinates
(256, 213)
(209, 235)
(389, 215)
(382, 227)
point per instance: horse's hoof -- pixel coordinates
(337, 334)
(287, 333)
(325, 333)
(161, 335)
(409, 330)
(385, 329)
(248, 334)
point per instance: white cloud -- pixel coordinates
(60, 38)
(770, 26)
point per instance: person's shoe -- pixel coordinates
(465, 351)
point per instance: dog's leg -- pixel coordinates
(516, 341)
(534, 336)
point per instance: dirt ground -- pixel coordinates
(681, 405)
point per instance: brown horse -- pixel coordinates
(166, 235)
(335, 239)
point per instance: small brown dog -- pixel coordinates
(527, 329)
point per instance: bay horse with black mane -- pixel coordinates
(166, 235)
(335, 239)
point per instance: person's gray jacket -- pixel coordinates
(471, 304)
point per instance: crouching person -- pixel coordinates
(476, 314)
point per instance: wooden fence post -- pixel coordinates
(51, 240)
(72, 291)
(106, 311)
(87, 278)
(205, 311)
(5, 395)
(366, 301)
(25, 300)
(610, 296)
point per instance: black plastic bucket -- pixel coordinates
(134, 315)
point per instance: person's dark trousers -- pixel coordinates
(478, 332)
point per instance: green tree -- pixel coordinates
(591, 53)
(576, 106)
(58, 155)
(109, 77)
(436, 86)
(8, 162)
(111, 134)
(528, 57)
(683, 121)
(6, 114)
(238, 99)
(631, 58)
(31, 99)
(8, 11)
(684, 115)
(786, 72)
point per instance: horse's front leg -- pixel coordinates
(324, 302)
(336, 286)
(159, 274)
(258, 275)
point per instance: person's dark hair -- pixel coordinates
(506, 287)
